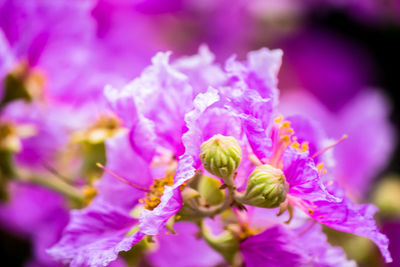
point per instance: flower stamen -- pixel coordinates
(329, 147)
(122, 179)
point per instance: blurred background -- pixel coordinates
(340, 56)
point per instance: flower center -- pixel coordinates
(11, 134)
(284, 136)
(153, 197)
(23, 82)
(106, 126)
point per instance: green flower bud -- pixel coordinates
(266, 188)
(209, 190)
(221, 155)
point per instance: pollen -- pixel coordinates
(321, 168)
(153, 197)
(304, 146)
(279, 118)
(286, 132)
(89, 192)
(296, 145)
(246, 231)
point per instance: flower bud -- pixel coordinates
(221, 155)
(209, 189)
(266, 188)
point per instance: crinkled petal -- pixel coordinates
(255, 114)
(95, 236)
(259, 72)
(348, 217)
(142, 133)
(365, 121)
(303, 178)
(152, 221)
(201, 70)
(163, 95)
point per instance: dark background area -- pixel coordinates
(382, 42)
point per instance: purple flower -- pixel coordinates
(171, 104)
(162, 81)
(306, 188)
(308, 192)
(369, 134)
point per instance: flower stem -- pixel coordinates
(54, 184)
(229, 198)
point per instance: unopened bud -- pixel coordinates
(266, 188)
(221, 155)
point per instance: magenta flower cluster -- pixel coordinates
(169, 111)
(191, 163)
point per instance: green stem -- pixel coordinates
(55, 184)
(226, 204)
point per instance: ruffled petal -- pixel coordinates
(142, 133)
(163, 95)
(348, 217)
(259, 72)
(95, 236)
(152, 221)
(303, 178)
(201, 70)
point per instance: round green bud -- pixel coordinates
(266, 188)
(221, 155)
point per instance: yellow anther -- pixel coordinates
(279, 118)
(106, 126)
(304, 146)
(285, 124)
(89, 192)
(295, 145)
(153, 197)
(320, 166)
